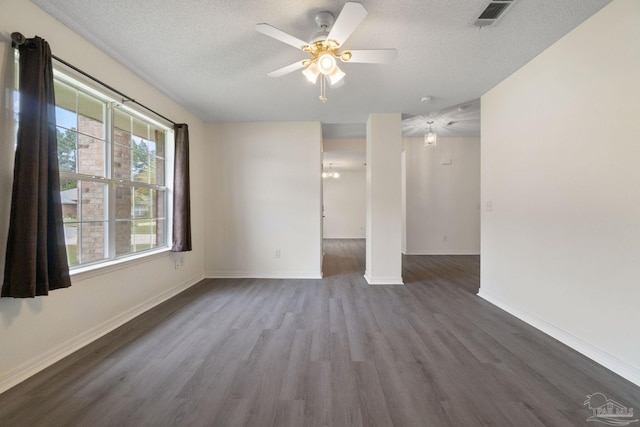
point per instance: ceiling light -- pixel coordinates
(326, 63)
(325, 45)
(336, 76)
(323, 63)
(430, 138)
(330, 173)
(336, 85)
(312, 72)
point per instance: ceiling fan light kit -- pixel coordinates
(325, 46)
(311, 72)
(326, 63)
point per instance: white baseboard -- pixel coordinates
(37, 364)
(383, 280)
(605, 359)
(258, 275)
(442, 252)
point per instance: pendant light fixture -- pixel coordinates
(330, 173)
(430, 138)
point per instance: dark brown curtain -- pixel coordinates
(36, 260)
(181, 192)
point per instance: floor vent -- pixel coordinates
(494, 11)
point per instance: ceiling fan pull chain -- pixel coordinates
(323, 98)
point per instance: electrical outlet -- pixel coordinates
(277, 253)
(177, 264)
(444, 238)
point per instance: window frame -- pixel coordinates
(111, 260)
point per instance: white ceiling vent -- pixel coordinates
(493, 12)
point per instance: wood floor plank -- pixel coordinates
(289, 413)
(346, 410)
(329, 352)
(373, 405)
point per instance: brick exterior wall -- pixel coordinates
(92, 195)
(122, 171)
(91, 161)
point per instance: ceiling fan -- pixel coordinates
(324, 47)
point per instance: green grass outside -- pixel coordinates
(144, 228)
(72, 254)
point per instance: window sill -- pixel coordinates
(89, 271)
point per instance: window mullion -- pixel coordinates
(79, 213)
(111, 204)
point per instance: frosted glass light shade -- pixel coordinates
(336, 76)
(326, 63)
(430, 139)
(312, 72)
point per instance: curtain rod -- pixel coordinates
(17, 39)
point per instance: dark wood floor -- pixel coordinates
(330, 352)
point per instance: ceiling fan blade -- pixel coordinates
(373, 56)
(350, 17)
(280, 35)
(286, 70)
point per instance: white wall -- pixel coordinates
(36, 332)
(442, 200)
(345, 205)
(263, 195)
(561, 171)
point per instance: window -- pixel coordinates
(112, 176)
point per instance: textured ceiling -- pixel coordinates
(208, 56)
